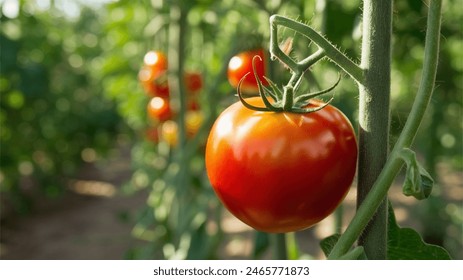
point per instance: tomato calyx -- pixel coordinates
(283, 101)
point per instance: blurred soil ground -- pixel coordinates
(94, 220)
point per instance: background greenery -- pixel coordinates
(69, 91)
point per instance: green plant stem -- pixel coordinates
(279, 246)
(338, 215)
(374, 95)
(312, 59)
(176, 59)
(302, 66)
(292, 247)
(354, 254)
(394, 163)
(176, 56)
(330, 50)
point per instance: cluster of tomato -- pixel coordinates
(161, 115)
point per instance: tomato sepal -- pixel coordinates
(283, 101)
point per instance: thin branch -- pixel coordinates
(311, 60)
(330, 50)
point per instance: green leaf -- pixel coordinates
(261, 244)
(328, 243)
(200, 246)
(418, 182)
(407, 244)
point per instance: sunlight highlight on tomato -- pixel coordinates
(159, 109)
(241, 64)
(155, 60)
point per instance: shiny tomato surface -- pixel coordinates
(153, 74)
(154, 82)
(241, 64)
(159, 109)
(281, 172)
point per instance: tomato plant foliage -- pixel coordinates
(54, 68)
(51, 109)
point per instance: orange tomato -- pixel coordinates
(159, 109)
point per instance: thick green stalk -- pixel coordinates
(374, 117)
(279, 246)
(394, 163)
(176, 56)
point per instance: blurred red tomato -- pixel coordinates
(154, 83)
(193, 82)
(153, 74)
(159, 109)
(156, 61)
(241, 64)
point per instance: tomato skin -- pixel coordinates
(153, 74)
(281, 172)
(241, 64)
(159, 110)
(154, 83)
(193, 104)
(193, 82)
(155, 60)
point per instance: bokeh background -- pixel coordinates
(83, 175)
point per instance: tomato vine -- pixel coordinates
(374, 112)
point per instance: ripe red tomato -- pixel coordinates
(154, 83)
(156, 61)
(193, 104)
(241, 64)
(159, 109)
(281, 172)
(193, 82)
(153, 74)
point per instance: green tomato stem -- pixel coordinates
(176, 58)
(329, 49)
(394, 163)
(312, 59)
(288, 98)
(279, 246)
